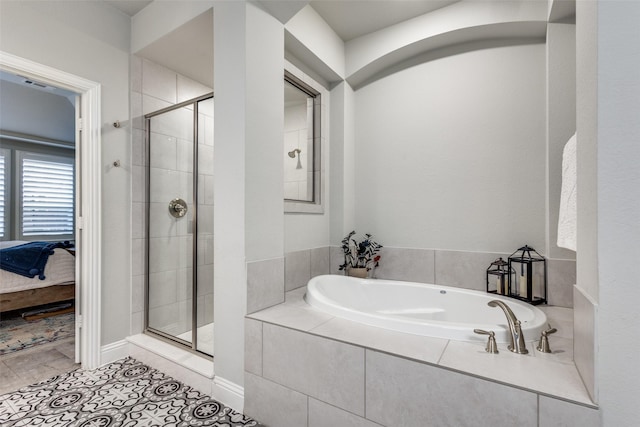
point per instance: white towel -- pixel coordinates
(567, 218)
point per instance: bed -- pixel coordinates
(18, 292)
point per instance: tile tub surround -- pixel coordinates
(295, 352)
(265, 284)
(268, 280)
(301, 266)
(461, 269)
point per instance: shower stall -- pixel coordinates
(179, 224)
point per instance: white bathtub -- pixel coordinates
(421, 309)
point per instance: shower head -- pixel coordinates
(293, 153)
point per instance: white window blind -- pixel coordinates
(47, 195)
(4, 160)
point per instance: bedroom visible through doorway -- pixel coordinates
(37, 213)
(88, 229)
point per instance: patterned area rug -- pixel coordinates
(18, 334)
(123, 393)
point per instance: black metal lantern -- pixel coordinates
(529, 282)
(498, 277)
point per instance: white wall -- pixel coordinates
(37, 113)
(561, 121)
(90, 40)
(248, 196)
(608, 71)
(342, 176)
(586, 290)
(264, 115)
(618, 175)
(587, 126)
(450, 154)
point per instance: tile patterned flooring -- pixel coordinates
(122, 393)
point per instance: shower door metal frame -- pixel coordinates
(193, 345)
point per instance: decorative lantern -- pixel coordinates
(498, 275)
(529, 282)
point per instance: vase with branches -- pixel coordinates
(361, 254)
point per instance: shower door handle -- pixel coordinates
(178, 208)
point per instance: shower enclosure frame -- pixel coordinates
(193, 345)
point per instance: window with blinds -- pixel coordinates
(46, 196)
(4, 195)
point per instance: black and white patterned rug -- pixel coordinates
(122, 393)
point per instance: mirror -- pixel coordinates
(300, 135)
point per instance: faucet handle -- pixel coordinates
(543, 344)
(491, 347)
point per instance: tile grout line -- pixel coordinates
(435, 280)
(365, 382)
(333, 405)
(310, 264)
(442, 354)
(262, 349)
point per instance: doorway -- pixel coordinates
(37, 214)
(87, 217)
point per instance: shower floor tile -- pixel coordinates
(205, 338)
(125, 392)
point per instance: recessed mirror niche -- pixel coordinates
(301, 129)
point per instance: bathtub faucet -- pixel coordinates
(517, 339)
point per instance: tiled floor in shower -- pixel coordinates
(205, 338)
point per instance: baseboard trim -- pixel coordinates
(223, 390)
(114, 351)
(181, 357)
(229, 393)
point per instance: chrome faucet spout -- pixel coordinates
(517, 344)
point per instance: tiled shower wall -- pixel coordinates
(450, 268)
(153, 88)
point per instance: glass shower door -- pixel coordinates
(179, 291)
(171, 219)
(204, 200)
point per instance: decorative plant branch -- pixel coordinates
(362, 254)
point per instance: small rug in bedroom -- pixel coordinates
(18, 334)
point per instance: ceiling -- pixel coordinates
(36, 85)
(187, 50)
(130, 7)
(348, 18)
(354, 18)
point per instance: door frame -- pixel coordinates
(88, 199)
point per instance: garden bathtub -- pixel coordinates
(421, 309)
